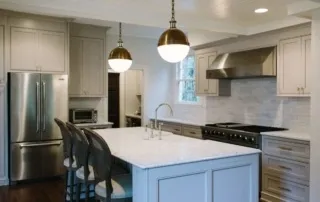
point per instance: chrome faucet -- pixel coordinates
(156, 118)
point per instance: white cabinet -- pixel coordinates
(209, 87)
(2, 66)
(37, 50)
(139, 75)
(294, 65)
(87, 69)
(52, 51)
(24, 45)
(3, 163)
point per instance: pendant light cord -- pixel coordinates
(173, 20)
(120, 42)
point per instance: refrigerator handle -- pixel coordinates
(44, 105)
(38, 106)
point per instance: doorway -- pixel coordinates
(114, 99)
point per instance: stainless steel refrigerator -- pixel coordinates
(36, 147)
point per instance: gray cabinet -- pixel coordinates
(181, 129)
(2, 66)
(285, 170)
(87, 71)
(294, 67)
(209, 87)
(37, 50)
(3, 152)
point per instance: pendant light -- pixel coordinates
(120, 59)
(173, 45)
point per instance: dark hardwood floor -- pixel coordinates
(49, 191)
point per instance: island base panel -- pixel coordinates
(233, 179)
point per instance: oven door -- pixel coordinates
(83, 116)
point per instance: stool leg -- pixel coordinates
(78, 190)
(87, 191)
(66, 185)
(71, 185)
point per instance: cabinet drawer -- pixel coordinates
(267, 197)
(285, 148)
(285, 189)
(192, 132)
(176, 129)
(286, 168)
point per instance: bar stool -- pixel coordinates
(69, 161)
(106, 186)
(84, 173)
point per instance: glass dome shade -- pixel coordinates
(120, 59)
(173, 45)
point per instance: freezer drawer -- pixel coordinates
(34, 160)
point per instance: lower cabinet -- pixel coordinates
(285, 170)
(3, 173)
(181, 129)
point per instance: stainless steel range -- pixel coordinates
(236, 133)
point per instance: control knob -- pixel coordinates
(246, 139)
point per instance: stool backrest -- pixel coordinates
(102, 159)
(81, 147)
(67, 139)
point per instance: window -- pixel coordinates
(186, 81)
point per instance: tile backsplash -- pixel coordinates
(255, 101)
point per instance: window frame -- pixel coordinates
(178, 81)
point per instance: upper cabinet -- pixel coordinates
(294, 66)
(38, 45)
(2, 66)
(88, 73)
(209, 87)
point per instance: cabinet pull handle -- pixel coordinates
(193, 133)
(285, 148)
(285, 168)
(176, 129)
(285, 189)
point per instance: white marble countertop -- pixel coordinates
(175, 120)
(289, 134)
(133, 116)
(129, 145)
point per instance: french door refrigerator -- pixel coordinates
(36, 147)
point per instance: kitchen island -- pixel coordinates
(182, 169)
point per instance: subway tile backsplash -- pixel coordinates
(255, 101)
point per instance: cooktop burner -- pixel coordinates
(236, 133)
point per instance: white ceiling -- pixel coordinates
(204, 20)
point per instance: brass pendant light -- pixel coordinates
(173, 45)
(119, 58)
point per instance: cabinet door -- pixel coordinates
(201, 80)
(306, 59)
(139, 82)
(290, 70)
(93, 68)
(3, 176)
(2, 68)
(52, 51)
(213, 83)
(23, 50)
(75, 83)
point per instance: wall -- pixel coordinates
(252, 100)
(255, 101)
(156, 77)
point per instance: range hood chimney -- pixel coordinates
(246, 64)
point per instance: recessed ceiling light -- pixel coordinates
(261, 10)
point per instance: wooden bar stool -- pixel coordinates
(84, 173)
(106, 186)
(69, 161)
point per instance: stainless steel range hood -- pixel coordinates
(245, 64)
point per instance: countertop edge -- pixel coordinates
(288, 135)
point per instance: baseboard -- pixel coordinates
(4, 182)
